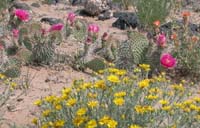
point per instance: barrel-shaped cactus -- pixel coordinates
(43, 53)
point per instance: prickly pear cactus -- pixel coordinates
(132, 51)
(108, 49)
(55, 37)
(27, 32)
(80, 30)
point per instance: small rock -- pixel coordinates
(77, 2)
(35, 5)
(95, 7)
(196, 7)
(107, 15)
(125, 20)
(51, 21)
(18, 5)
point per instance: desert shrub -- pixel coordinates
(7, 86)
(125, 3)
(4, 4)
(118, 100)
(149, 11)
(186, 49)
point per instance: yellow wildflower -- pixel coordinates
(66, 91)
(126, 80)
(145, 67)
(120, 94)
(164, 102)
(13, 84)
(104, 120)
(91, 124)
(100, 84)
(58, 107)
(35, 121)
(144, 83)
(92, 104)
(81, 111)
(178, 87)
(152, 97)
(112, 124)
(77, 121)
(196, 99)
(193, 107)
(134, 126)
(86, 85)
(71, 102)
(119, 101)
(143, 109)
(137, 70)
(121, 72)
(113, 70)
(2, 76)
(46, 113)
(59, 124)
(38, 102)
(154, 90)
(92, 95)
(45, 125)
(113, 79)
(50, 99)
(166, 108)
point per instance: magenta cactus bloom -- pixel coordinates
(44, 31)
(56, 27)
(15, 33)
(161, 40)
(1, 47)
(71, 17)
(21, 14)
(93, 28)
(168, 61)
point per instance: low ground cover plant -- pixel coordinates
(118, 100)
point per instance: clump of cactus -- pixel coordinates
(43, 53)
(27, 33)
(39, 43)
(12, 68)
(132, 51)
(79, 31)
(108, 47)
(75, 27)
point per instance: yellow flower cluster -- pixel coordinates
(145, 67)
(118, 99)
(143, 109)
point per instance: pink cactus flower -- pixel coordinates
(89, 40)
(1, 47)
(93, 28)
(56, 27)
(104, 36)
(15, 33)
(23, 15)
(71, 17)
(168, 61)
(161, 40)
(43, 31)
